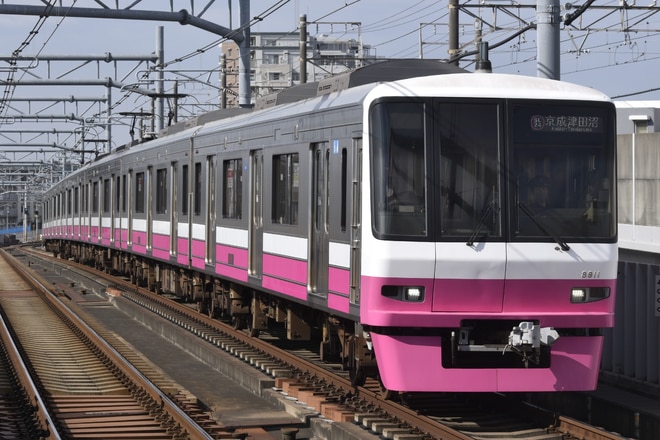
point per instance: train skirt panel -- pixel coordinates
(416, 363)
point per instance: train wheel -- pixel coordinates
(382, 391)
(211, 308)
(251, 328)
(357, 375)
(238, 322)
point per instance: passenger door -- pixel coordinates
(150, 217)
(356, 222)
(174, 219)
(114, 205)
(318, 252)
(210, 239)
(256, 228)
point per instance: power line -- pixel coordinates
(10, 86)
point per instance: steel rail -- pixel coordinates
(48, 427)
(193, 430)
(584, 431)
(425, 425)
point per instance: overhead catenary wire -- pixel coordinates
(10, 84)
(405, 17)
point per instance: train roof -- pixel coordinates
(354, 86)
(391, 70)
(418, 77)
(497, 85)
(401, 70)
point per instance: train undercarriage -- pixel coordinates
(341, 340)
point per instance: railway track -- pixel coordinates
(22, 412)
(330, 393)
(90, 390)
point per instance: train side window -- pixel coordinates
(76, 200)
(95, 197)
(174, 196)
(161, 191)
(85, 196)
(124, 196)
(233, 189)
(139, 192)
(184, 190)
(344, 188)
(198, 188)
(68, 202)
(117, 192)
(106, 196)
(286, 182)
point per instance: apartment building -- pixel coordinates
(275, 61)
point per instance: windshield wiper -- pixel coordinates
(562, 244)
(487, 211)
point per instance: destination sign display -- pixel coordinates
(566, 123)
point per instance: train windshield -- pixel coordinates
(400, 168)
(562, 165)
(454, 170)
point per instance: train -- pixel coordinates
(434, 229)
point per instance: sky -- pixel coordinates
(595, 51)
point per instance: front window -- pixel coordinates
(562, 172)
(454, 170)
(468, 176)
(399, 168)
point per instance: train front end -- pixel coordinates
(489, 230)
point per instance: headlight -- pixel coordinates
(589, 294)
(404, 293)
(578, 295)
(415, 294)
